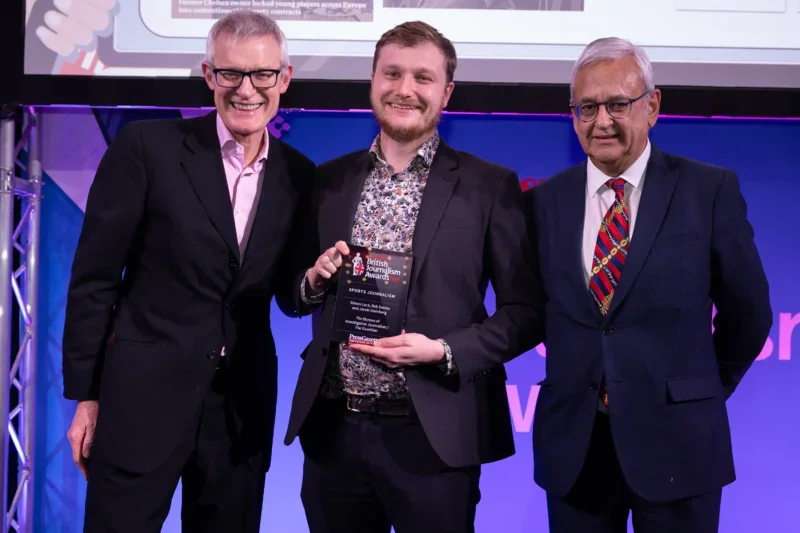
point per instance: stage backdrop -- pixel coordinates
(764, 411)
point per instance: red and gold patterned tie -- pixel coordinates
(610, 252)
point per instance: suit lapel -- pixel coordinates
(659, 186)
(343, 206)
(202, 162)
(276, 196)
(571, 208)
(442, 180)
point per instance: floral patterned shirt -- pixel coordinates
(385, 219)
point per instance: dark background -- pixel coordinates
(341, 95)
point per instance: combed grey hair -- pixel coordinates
(244, 25)
(612, 49)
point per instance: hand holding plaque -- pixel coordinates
(321, 275)
(371, 295)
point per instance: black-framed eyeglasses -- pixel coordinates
(265, 78)
(616, 107)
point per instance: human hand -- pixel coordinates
(327, 265)
(81, 434)
(406, 349)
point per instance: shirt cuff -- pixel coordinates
(309, 300)
(448, 366)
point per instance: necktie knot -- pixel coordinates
(618, 184)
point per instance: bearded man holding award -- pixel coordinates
(402, 396)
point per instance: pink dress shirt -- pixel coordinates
(244, 182)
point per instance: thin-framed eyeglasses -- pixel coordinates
(264, 78)
(616, 107)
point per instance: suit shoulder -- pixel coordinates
(294, 157)
(559, 177)
(155, 132)
(557, 181)
(482, 167)
(342, 162)
(696, 168)
(146, 137)
(162, 125)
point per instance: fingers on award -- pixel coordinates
(371, 295)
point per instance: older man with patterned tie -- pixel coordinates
(635, 246)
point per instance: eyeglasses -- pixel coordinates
(265, 78)
(616, 107)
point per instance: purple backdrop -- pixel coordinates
(763, 411)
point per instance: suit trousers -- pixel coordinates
(220, 491)
(366, 473)
(601, 500)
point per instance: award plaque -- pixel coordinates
(371, 296)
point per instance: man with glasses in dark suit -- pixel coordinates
(167, 345)
(635, 246)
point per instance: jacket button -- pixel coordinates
(212, 355)
(233, 262)
(608, 331)
(592, 386)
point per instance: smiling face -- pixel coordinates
(247, 109)
(409, 90)
(613, 144)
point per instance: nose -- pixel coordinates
(406, 86)
(246, 88)
(603, 119)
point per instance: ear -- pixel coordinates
(285, 79)
(448, 91)
(208, 75)
(653, 107)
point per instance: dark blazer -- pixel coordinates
(471, 229)
(146, 343)
(668, 376)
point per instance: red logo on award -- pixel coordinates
(358, 265)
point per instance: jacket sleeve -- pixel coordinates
(301, 251)
(517, 324)
(739, 287)
(114, 211)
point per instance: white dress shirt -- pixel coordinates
(599, 197)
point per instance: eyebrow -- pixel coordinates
(421, 70)
(252, 70)
(614, 97)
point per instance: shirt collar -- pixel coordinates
(595, 179)
(424, 154)
(227, 143)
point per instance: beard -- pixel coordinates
(407, 132)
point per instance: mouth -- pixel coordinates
(605, 137)
(405, 107)
(245, 107)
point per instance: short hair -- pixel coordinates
(612, 49)
(244, 25)
(416, 33)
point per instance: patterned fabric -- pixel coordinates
(610, 252)
(385, 219)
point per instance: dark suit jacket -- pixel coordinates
(667, 375)
(147, 343)
(471, 229)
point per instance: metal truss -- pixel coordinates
(19, 294)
